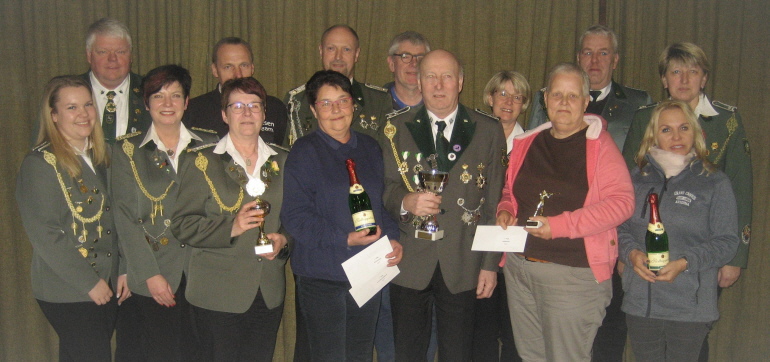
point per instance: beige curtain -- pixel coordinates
(44, 38)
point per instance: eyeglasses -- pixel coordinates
(516, 98)
(342, 103)
(238, 107)
(407, 57)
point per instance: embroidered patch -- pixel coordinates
(746, 234)
(684, 197)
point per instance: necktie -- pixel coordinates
(441, 147)
(595, 95)
(109, 119)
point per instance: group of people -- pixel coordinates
(144, 207)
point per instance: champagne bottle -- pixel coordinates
(656, 239)
(358, 200)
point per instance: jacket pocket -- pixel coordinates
(211, 259)
(676, 296)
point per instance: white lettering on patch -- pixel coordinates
(684, 197)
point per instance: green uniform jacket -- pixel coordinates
(728, 150)
(372, 104)
(142, 239)
(476, 140)
(622, 103)
(225, 273)
(66, 266)
(138, 116)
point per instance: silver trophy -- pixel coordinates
(539, 210)
(432, 181)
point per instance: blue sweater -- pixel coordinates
(315, 201)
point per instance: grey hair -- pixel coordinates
(107, 27)
(569, 68)
(411, 36)
(600, 30)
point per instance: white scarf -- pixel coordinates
(671, 163)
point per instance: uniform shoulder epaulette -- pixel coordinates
(128, 135)
(486, 114)
(277, 146)
(542, 90)
(203, 130)
(203, 147)
(651, 105)
(41, 147)
(397, 112)
(297, 90)
(375, 87)
(632, 88)
(724, 106)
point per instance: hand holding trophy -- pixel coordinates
(539, 210)
(432, 181)
(255, 188)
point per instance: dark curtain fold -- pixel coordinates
(45, 38)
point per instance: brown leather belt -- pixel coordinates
(534, 260)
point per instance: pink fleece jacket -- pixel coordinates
(609, 202)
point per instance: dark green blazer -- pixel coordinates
(619, 110)
(138, 116)
(372, 104)
(728, 149)
(140, 239)
(476, 140)
(65, 267)
(225, 273)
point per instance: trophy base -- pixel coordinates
(263, 249)
(420, 234)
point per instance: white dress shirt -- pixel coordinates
(121, 102)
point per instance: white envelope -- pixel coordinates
(494, 238)
(368, 271)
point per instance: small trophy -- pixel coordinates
(431, 181)
(539, 210)
(255, 187)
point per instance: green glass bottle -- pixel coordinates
(358, 200)
(656, 239)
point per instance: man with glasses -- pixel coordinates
(598, 56)
(232, 58)
(339, 50)
(406, 51)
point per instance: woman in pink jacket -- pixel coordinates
(568, 176)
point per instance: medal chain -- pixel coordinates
(157, 202)
(51, 159)
(201, 162)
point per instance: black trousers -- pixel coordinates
(302, 341)
(84, 329)
(492, 327)
(168, 333)
(610, 340)
(128, 332)
(248, 336)
(412, 313)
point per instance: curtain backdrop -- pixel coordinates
(42, 39)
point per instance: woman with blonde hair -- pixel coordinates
(669, 321)
(508, 94)
(64, 203)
